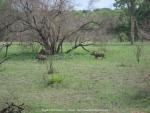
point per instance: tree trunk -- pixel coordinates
(132, 29)
(50, 47)
(6, 53)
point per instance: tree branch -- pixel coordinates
(82, 45)
(2, 61)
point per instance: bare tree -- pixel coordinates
(49, 19)
(41, 17)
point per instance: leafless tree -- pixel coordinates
(49, 19)
(51, 22)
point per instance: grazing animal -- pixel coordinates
(45, 52)
(41, 57)
(98, 55)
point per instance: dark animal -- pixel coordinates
(41, 57)
(45, 52)
(98, 55)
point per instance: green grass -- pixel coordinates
(117, 83)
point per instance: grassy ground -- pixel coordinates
(117, 83)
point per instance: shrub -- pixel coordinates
(52, 77)
(123, 37)
(55, 79)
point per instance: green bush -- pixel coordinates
(55, 79)
(123, 37)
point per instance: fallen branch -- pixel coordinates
(84, 27)
(79, 45)
(13, 108)
(85, 49)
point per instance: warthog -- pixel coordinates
(41, 57)
(45, 52)
(98, 55)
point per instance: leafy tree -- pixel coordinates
(144, 11)
(131, 7)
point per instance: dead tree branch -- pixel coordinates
(2, 61)
(13, 108)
